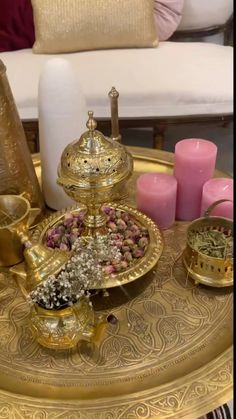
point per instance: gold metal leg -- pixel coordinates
(159, 136)
(31, 133)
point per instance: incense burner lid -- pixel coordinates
(94, 161)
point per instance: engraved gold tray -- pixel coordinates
(169, 355)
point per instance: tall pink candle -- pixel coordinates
(214, 190)
(194, 164)
(156, 197)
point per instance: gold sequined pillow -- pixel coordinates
(82, 25)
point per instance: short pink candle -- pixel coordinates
(194, 164)
(214, 190)
(156, 197)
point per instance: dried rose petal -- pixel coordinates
(128, 256)
(60, 230)
(68, 216)
(125, 249)
(138, 253)
(124, 264)
(107, 210)
(63, 246)
(134, 228)
(118, 244)
(128, 242)
(109, 269)
(143, 242)
(118, 214)
(112, 226)
(128, 234)
(125, 216)
(121, 225)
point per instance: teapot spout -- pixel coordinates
(21, 277)
(19, 270)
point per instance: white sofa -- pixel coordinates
(175, 80)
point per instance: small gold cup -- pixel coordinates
(16, 216)
(204, 269)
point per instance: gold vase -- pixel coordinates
(17, 172)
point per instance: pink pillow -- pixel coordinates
(168, 14)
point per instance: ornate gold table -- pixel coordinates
(169, 354)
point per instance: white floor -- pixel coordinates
(221, 136)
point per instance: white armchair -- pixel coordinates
(178, 81)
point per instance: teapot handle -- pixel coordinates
(33, 213)
(99, 332)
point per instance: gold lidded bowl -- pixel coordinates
(93, 170)
(93, 163)
(202, 268)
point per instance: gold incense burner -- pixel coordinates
(94, 170)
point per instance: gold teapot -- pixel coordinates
(63, 329)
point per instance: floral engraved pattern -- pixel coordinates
(171, 332)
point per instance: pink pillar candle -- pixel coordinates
(214, 190)
(194, 164)
(156, 197)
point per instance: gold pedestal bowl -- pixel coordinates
(135, 270)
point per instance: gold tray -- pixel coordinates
(169, 355)
(141, 267)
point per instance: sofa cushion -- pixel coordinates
(199, 14)
(92, 24)
(16, 25)
(168, 14)
(171, 80)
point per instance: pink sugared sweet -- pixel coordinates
(214, 190)
(156, 197)
(194, 164)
